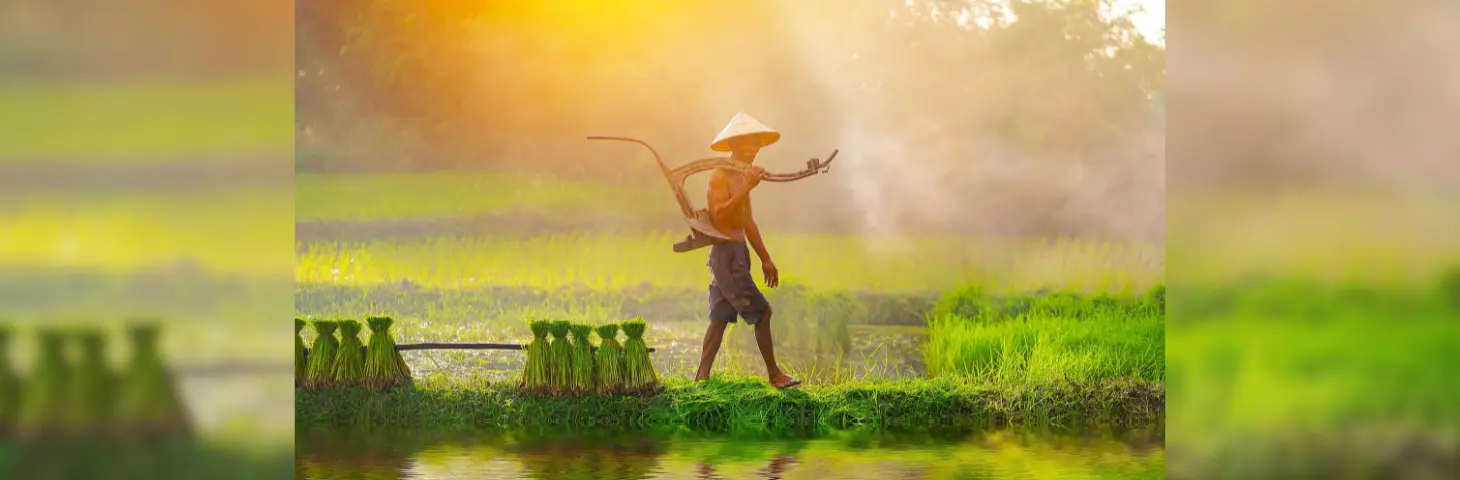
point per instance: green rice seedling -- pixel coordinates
(639, 376)
(349, 365)
(320, 373)
(149, 403)
(560, 356)
(42, 408)
(383, 364)
(609, 360)
(9, 384)
(537, 372)
(301, 355)
(583, 374)
(93, 385)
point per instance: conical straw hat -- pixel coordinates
(740, 126)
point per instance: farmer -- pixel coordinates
(732, 290)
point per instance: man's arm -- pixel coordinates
(752, 233)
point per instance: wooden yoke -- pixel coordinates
(702, 231)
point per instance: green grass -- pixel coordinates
(367, 197)
(819, 261)
(1296, 377)
(1028, 339)
(103, 123)
(737, 405)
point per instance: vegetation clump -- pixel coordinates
(320, 373)
(150, 405)
(609, 361)
(537, 372)
(93, 386)
(384, 366)
(560, 356)
(583, 368)
(349, 362)
(639, 376)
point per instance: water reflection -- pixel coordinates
(584, 455)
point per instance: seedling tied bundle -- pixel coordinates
(346, 362)
(568, 365)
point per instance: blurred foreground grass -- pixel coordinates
(145, 121)
(1314, 337)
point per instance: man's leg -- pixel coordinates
(721, 314)
(711, 347)
(768, 350)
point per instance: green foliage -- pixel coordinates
(583, 366)
(537, 374)
(560, 356)
(384, 367)
(609, 360)
(639, 375)
(150, 404)
(93, 386)
(349, 362)
(322, 355)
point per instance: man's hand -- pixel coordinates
(772, 276)
(753, 176)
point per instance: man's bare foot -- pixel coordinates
(785, 381)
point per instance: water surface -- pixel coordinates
(850, 456)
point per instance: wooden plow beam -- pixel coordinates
(703, 232)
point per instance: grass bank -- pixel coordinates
(742, 404)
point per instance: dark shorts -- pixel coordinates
(732, 290)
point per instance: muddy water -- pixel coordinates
(339, 456)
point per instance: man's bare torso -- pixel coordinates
(738, 215)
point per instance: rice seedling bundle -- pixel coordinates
(560, 356)
(609, 360)
(384, 367)
(320, 373)
(582, 358)
(301, 356)
(9, 384)
(639, 376)
(149, 403)
(93, 385)
(349, 364)
(537, 372)
(43, 403)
